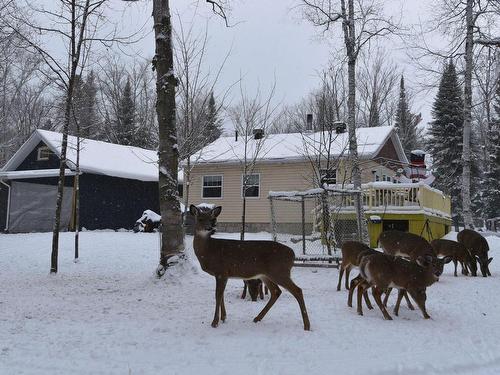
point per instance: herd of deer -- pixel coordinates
(408, 263)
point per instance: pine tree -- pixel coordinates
(406, 125)
(374, 119)
(124, 125)
(445, 137)
(213, 128)
(491, 185)
(88, 117)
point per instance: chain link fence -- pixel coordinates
(314, 223)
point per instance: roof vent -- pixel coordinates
(258, 133)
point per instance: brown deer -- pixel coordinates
(381, 271)
(224, 259)
(255, 289)
(478, 248)
(458, 253)
(350, 252)
(409, 246)
(355, 283)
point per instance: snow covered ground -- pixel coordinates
(108, 314)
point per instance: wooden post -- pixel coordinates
(303, 207)
(273, 219)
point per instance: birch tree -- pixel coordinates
(361, 22)
(78, 24)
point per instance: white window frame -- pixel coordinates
(326, 170)
(40, 151)
(221, 186)
(241, 190)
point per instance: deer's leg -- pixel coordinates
(456, 263)
(261, 290)
(244, 294)
(354, 283)
(275, 293)
(387, 294)
(223, 308)
(341, 273)
(401, 293)
(408, 302)
(377, 293)
(288, 284)
(347, 273)
(420, 297)
(367, 300)
(465, 269)
(220, 284)
(361, 289)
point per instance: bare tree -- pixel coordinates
(77, 23)
(376, 83)
(361, 22)
(252, 118)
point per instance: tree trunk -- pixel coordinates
(187, 186)
(349, 39)
(171, 229)
(466, 153)
(77, 193)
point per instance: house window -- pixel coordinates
(43, 153)
(212, 187)
(328, 176)
(252, 186)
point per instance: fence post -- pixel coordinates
(273, 219)
(303, 207)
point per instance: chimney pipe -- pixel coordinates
(309, 121)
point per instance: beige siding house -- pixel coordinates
(283, 162)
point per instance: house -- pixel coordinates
(301, 161)
(117, 183)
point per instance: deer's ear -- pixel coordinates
(421, 261)
(193, 210)
(216, 211)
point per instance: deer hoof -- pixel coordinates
(215, 324)
(360, 313)
(256, 320)
(388, 317)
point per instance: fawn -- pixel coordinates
(458, 253)
(268, 260)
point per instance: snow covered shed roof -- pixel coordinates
(95, 156)
(299, 146)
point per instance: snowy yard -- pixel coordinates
(108, 314)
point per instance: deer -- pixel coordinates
(410, 246)
(355, 283)
(255, 289)
(224, 259)
(382, 271)
(478, 248)
(350, 251)
(458, 252)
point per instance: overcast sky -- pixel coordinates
(270, 41)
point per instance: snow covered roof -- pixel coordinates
(298, 146)
(95, 156)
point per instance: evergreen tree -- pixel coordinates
(88, 117)
(491, 183)
(213, 128)
(445, 137)
(124, 124)
(374, 119)
(406, 125)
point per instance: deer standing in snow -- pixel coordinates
(478, 247)
(410, 247)
(224, 259)
(382, 271)
(458, 253)
(255, 289)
